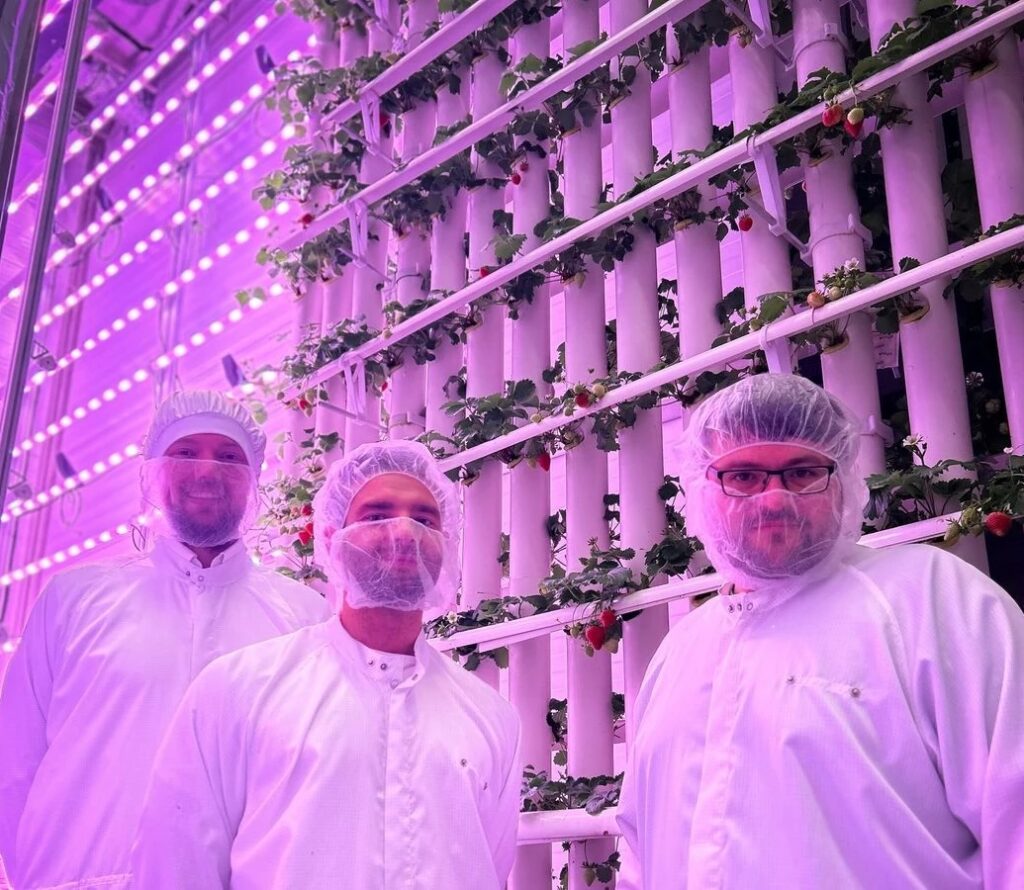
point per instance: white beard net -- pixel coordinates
(202, 503)
(395, 563)
(331, 506)
(768, 536)
(761, 540)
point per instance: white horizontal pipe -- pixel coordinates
(460, 27)
(499, 118)
(784, 328)
(725, 159)
(551, 826)
(520, 629)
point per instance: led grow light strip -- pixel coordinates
(49, 17)
(134, 314)
(41, 96)
(28, 505)
(75, 550)
(204, 264)
(19, 508)
(130, 143)
(150, 181)
(178, 218)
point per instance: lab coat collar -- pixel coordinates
(382, 666)
(743, 604)
(227, 567)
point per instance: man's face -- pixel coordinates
(206, 486)
(777, 530)
(396, 559)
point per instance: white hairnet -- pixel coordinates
(760, 410)
(331, 506)
(205, 411)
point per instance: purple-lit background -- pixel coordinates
(111, 498)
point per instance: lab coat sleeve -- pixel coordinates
(629, 863)
(502, 826)
(24, 708)
(969, 681)
(196, 794)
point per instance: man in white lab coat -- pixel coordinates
(109, 650)
(350, 754)
(838, 717)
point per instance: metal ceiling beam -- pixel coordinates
(19, 24)
(63, 108)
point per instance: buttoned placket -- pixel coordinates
(723, 716)
(397, 797)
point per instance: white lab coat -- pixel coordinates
(312, 762)
(107, 654)
(866, 731)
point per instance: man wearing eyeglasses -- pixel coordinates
(840, 717)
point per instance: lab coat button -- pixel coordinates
(855, 692)
(394, 684)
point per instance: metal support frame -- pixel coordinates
(766, 168)
(63, 108)
(18, 56)
(759, 21)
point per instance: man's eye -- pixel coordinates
(742, 476)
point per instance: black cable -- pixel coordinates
(114, 26)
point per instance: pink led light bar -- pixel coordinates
(164, 171)
(20, 508)
(118, 154)
(41, 96)
(75, 550)
(48, 17)
(179, 218)
(140, 375)
(169, 288)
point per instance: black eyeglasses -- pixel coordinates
(744, 483)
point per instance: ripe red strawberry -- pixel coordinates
(306, 535)
(832, 115)
(306, 219)
(999, 523)
(853, 130)
(745, 223)
(582, 400)
(607, 618)
(384, 386)
(524, 166)
(384, 119)
(307, 510)
(516, 179)
(303, 405)
(544, 461)
(484, 270)
(595, 635)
